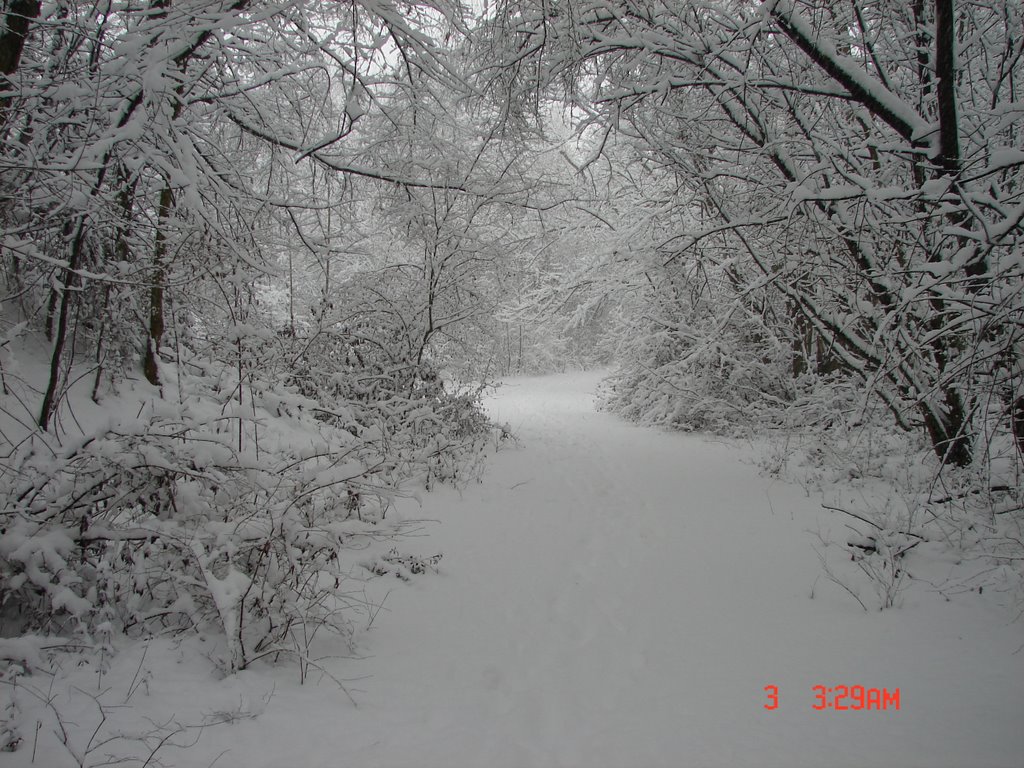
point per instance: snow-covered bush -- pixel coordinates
(204, 509)
(695, 353)
(368, 379)
(237, 489)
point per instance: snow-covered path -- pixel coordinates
(617, 596)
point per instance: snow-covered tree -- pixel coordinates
(858, 161)
(166, 168)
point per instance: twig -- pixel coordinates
(836, 580)
(132, 687)
(379, 607)
(972, 492)
(872, 523)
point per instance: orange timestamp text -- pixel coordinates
(842, 698)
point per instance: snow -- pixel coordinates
(611, 595)
(852, 75)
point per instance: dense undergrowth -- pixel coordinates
(238, 508)
(898, 505)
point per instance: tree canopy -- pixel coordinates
(299, 236)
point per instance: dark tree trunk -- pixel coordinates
(67, 296)
(947, 422)
(150, 363)
(944, 413)
(945, 71)
(1018, 423)
(13, 36)
(16, 23)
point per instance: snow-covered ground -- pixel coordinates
(612, 595)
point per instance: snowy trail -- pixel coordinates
(617, 596)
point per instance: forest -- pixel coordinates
(262, 260)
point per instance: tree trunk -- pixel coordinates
(60, 338)
(945, 71)
(947, 424)
(150, 363)
(1018, 423)
(12, 39)
(16, 24)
